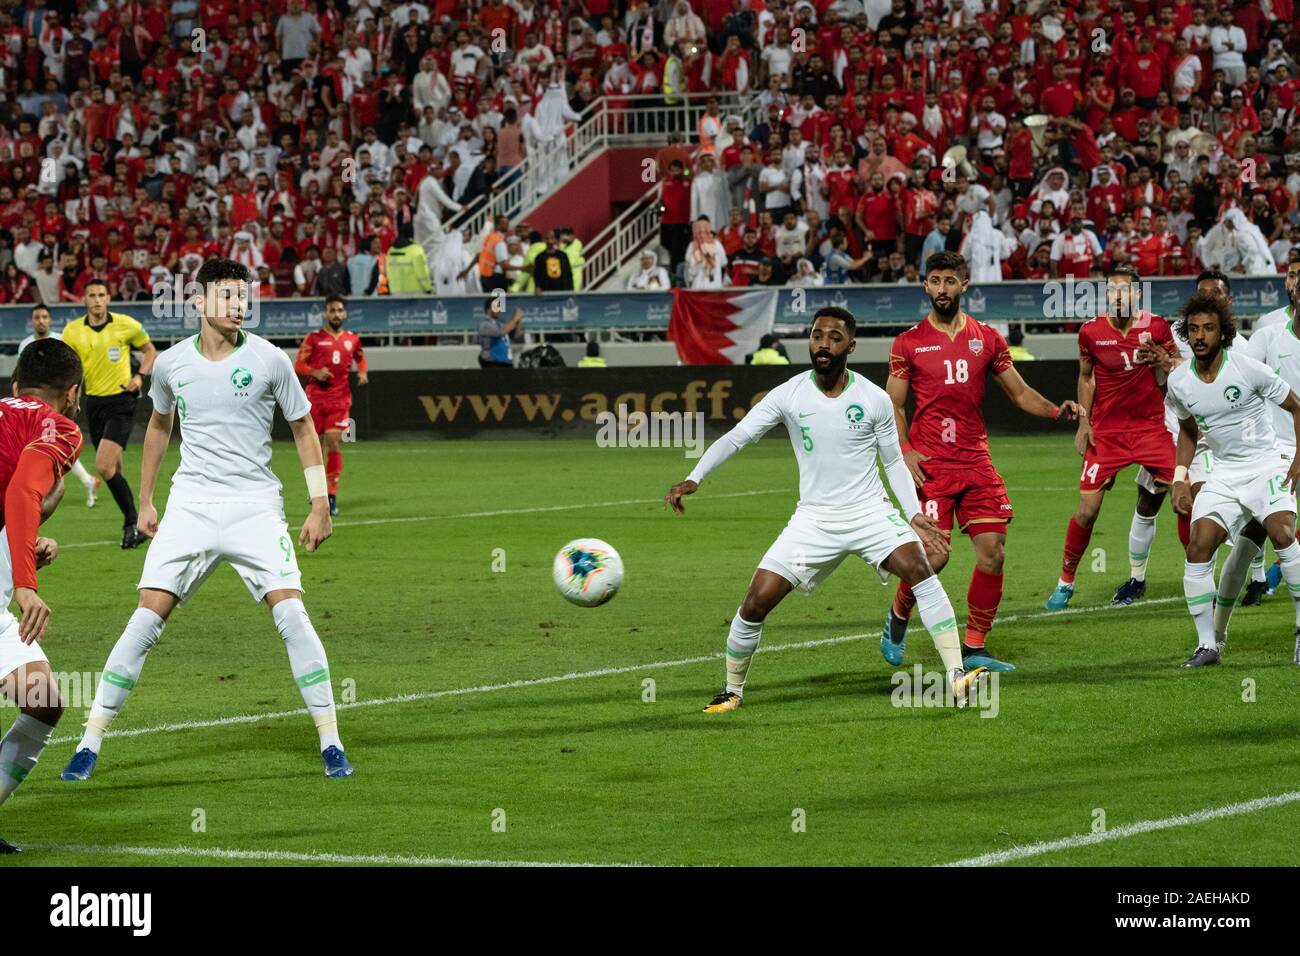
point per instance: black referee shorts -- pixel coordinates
(111, 417)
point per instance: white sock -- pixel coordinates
(121, 671)
(19, 751)
(1198, 586)
(1231, 580)
(742, 642)
(311, 670)
(1257, 567)
(939, 619)
(83, 476)
(1141, 532)
(1290, 557)
(1060, 582)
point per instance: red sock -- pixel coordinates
(1184, 529)
(982, 600)
(333, 468)
(904, 601)
(1076, 543)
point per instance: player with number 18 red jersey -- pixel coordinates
(946, 360)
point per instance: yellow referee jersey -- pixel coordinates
(106, 351)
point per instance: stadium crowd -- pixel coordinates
(322, 143)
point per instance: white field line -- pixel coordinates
(287, 856)
(1130, 830)
(241, 719)
(541, 509)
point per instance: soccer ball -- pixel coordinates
(587, 572)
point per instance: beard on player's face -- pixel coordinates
(945, 305)
(826, 362)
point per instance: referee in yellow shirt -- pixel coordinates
(104, 340)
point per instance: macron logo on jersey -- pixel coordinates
(1107, 342)
(928, 348)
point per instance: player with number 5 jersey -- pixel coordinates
(946, 360)
(1125, 422)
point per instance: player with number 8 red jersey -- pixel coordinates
(325, 358)
(947, 360)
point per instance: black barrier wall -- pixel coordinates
(570, 401)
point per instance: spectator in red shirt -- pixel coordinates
(1143, 73)
(1061, 96)
(675, 222)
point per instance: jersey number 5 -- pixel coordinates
(806, 431)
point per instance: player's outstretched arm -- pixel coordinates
(156, 437)
(756, 423)
(1187, 433)
(318, 525)
(1029, 399)
(896, 388)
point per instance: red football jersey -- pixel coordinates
(1127, 396)
(28, 423)
(947, 377)
(324, 349)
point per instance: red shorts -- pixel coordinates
(1108, 456)
(975, 495)
(331, 416)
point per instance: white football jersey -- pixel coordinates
(835, 441)
(1233, 411)
(31, 338)
(225, 409)
(1276, 317)
(1278, 348)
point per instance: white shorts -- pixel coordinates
(194, 538)
(1198, 471)
(810, 548)
(1231, 500)
(13, 652)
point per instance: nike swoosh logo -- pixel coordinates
(183, 384)
(1191, 404)
(1284, 355)
(806, 414)
(285, 574)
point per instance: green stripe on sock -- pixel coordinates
(315, 677)
(14, 772)
(1226, 602)
(739, 655)
(943, 626)
(1295, 588)
(1200, 599)
(117, 680)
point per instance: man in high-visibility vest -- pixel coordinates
(571, 246)
(593, 357)
(492, 254)
(406, 267)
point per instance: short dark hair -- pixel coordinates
(1209, 302)
(947, 260)
(48, 363)
(95, 281)
(40, 307)
(335, 297)
(844, 315)
(222, 270)
(1126, 270)
(1215, 275)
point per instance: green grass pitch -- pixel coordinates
(583, 769)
